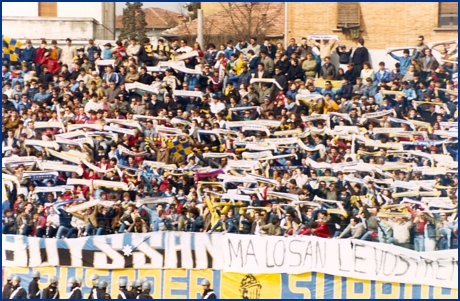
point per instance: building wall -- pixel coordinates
(384, 24)
(210, 8)
(18, 9)
(80, 20)
(391, 24)
(80, 9)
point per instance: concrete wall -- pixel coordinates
(51, 28)
(108, 9)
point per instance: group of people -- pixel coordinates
(138, 289)
(236, 140)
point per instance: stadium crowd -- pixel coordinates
(250, 138)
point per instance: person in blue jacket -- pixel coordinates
(253, 61)
(382, 74)
(225, 225)
(403, 60)
(453, 152)
(28, 54)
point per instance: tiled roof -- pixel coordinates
(156, 18)
(227, 20)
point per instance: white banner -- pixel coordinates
(129, 123)
(120, 130)
(104, 63)
(42, 143)
(256, 128)
(185, 56)
(188, 93)
(238, 253)
(185, 69)
(265, 80)
(323, 37)
(47, 124)
(147, 88)
(354, 259)
(72, 127)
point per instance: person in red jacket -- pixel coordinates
(53, 65)
(297, 228)
(39, 56)
(317, 229)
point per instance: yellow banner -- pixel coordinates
(185, 284)
(321, 83)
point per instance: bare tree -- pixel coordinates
(236, 20)
(251, 19)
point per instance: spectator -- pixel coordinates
(360, 56)
(404, 60)
(327, 70)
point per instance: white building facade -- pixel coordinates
(59, 20)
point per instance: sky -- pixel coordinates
(172, 6)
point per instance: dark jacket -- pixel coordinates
(105, 221)
(127, 294)
(6, 292)
(345, 91)
(31, 92)
(50, 292)
(195, 225)
(64, 219)
(28, 55)
(350, 76)
(253, 64)
(93, 292)
(144, 295)
(91, 51)
(20, 293)
(45, 78)
(145, 79)
(76, 294)
(244, 78)
(283, 65)
(210, 57)
(155, 107)
(295, 72)
(344, 56)
(34, 290)
(100, 294)
(327, 71)
(9, 225)
(303, 51)
(146, 57)
(208, 294)
(360, 56)
(271, 50)
(282, 80)
(427, 115)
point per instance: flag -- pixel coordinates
(156, 140)
(180, 148)
(11, 49)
